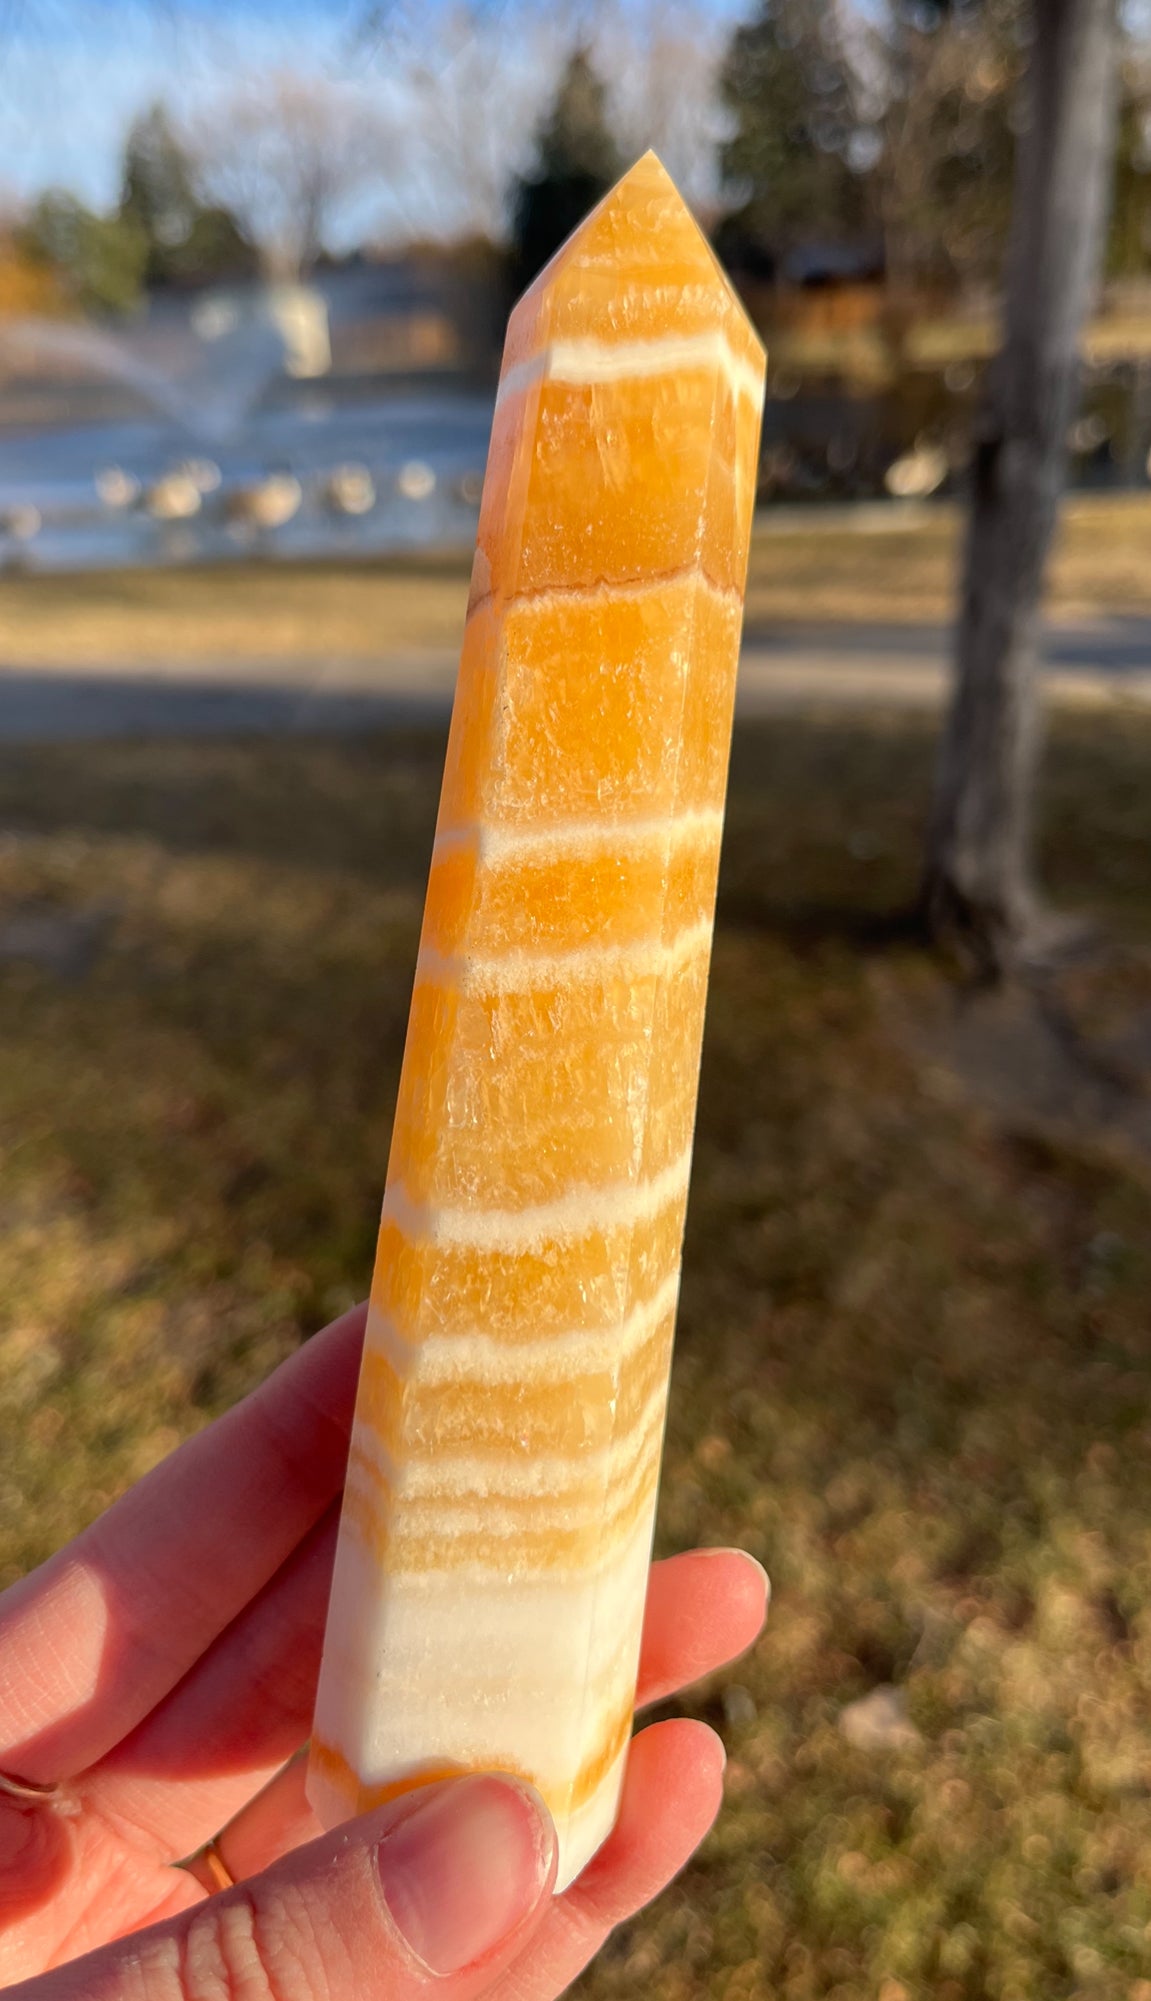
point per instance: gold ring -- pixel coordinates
(27, 1789)
(209, 1868)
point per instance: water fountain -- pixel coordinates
(227, 361)
(211, 465)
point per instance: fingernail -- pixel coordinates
(462, 1870)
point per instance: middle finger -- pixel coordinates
(237, 1715)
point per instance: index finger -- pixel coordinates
(91, 1641)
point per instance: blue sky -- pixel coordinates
(73, 72)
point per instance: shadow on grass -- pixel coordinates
(361, 805)
(820, 811)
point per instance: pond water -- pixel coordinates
(312, 479)
(316, 473)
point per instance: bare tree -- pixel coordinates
(285, 154)
(945, 93)
(465, 85)
(662, 59)
(978, 886)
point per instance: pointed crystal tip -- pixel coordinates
(638, 266)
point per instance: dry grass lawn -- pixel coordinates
(891, 567)
(912, 1367)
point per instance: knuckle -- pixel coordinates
(234, 1951)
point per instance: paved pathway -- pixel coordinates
(1097, 663)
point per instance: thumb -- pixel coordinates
(431, 1895)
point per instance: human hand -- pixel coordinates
(160, 1671)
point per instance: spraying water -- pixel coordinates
(222, 363)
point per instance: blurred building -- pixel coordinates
(391, 317)
(425, 316)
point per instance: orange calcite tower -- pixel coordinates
(497, 1524)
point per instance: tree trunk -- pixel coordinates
(978, 887)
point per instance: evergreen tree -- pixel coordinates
(577, 161)
(189, 241)
(99, 259)
(1129, 240)
(158, 185)
(789, 88)
(946, 165)
(946, 157)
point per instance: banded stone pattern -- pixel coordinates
(497, 1523)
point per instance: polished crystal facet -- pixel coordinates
(497, 1523)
